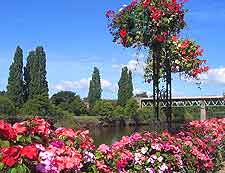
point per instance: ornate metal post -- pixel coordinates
(165, 97)
(156, 94)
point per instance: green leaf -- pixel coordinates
(1, 166)
(4, 143)
(13, 170)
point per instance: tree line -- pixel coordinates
(27, 89)
(27, 94)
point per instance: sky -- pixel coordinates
(75, 37)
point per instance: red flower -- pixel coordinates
(145, 3)
(19, 128)
(156, 13)
(10, 155)
(161, 38)
(174, 38)
(30, 152)
(7, 131)
(123, 33)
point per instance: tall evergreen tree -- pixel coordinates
(125, 84)
(29, 76)
(95, 89)
(123, 87)
(41, 73)
(35, 74)
(15, 80)
(130, 86)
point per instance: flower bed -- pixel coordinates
(35, 146)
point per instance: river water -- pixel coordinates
(108, 135)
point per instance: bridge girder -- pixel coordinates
(198, 102)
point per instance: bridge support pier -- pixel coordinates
(203, 112)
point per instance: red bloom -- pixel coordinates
(161, 38)
(123, 33)
(145, 3)
(7, 131)
(10, 155)
(174, 38)
(19, 128)
(156, 13)
(30, 152)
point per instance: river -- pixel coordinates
(108, 135)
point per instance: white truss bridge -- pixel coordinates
(196, 101)
(187, 101)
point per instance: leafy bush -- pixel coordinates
(103, 108)
(146, 113)
(39, 106)
(6, 106)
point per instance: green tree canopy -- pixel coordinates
(35, 74)
(39, 106)
(125, 84)
(15, 80)
(69, 101)
(95, 89)
(103, 108)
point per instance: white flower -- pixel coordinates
(160, 159)
(144, 150)
(163, 167)
(151, 160)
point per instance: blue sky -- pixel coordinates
(75, 37)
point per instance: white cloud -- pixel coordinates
(214, 76)
(83, 84)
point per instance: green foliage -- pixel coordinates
(125, 91)
(119, 112)
(69, 101)
(15, 80)
(103, 108)
(7, 107)
(35, 74)
(130, 87)
(131, 108)
(146, 113)
(63, 97)
(95, 90)
(39, 106)
(179, 113)
(65, 119)
(41, 73)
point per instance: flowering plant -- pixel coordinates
(155, 24)
(145, 22)
(35, 145)
(184, 58)
(191, 150)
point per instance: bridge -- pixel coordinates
(187, 101)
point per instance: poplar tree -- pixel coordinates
(95, 89)
(41, 72)
(125, 84)
(35, 74)
(15, 79)
(123, 87)
(130, 86)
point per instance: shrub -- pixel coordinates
(39, 106)
(6, 106)
(103, 108)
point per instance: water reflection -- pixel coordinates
(109, 135)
